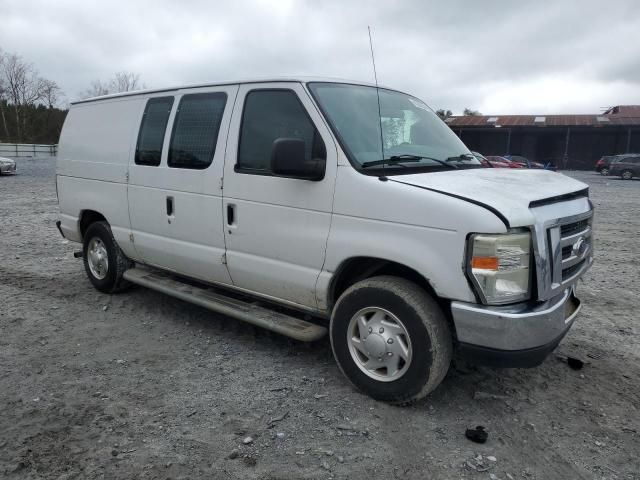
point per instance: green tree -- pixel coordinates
(444, 114)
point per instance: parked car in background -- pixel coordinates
(627, 166)
(602, 165)
(501, 162)
(525, 162)
(611, 159)
(7, 166)
(488, 163)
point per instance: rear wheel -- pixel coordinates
(391, 339)
(104, 262)
(626, 174)
(604, 171)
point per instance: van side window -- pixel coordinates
(267, 116)
(195, 130)
(152, 129)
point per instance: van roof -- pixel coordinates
(298, 79)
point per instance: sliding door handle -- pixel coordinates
(170, 207)
(231, 214)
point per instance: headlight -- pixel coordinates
(499, 267)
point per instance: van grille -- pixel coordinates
(569, 272)
(563, 246)
(575, 243)
(573, 228)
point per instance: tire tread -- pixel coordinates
(432, 318)
(122, 263)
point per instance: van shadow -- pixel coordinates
(462, 384)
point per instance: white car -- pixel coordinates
(7, 166)
(315, 206)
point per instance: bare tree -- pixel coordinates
(3, 97)
(23, 88)
(22, 91)
(96, 89)
(50, 93)
(50, 97)
(126, 82)
(121, 82)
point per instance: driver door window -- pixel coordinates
(267, 116)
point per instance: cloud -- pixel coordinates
(495, 56)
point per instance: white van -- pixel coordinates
(313, 205)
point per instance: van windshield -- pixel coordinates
(412, 134)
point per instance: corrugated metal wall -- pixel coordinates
(584, 147)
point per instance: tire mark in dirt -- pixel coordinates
(41, 281)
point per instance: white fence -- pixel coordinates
(27, 150)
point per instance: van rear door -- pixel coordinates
(175, 196)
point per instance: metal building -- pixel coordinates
(569, 141)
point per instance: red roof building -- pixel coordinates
(569, 141)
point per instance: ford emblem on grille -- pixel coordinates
(578, 247)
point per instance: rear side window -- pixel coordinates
(152, 129)
(269, 115)
(195, 130)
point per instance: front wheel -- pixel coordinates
(627, 175)
(391, 339)
(604, 172)
(104, 262)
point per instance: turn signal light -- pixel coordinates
(485, 263)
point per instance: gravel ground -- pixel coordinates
(140, 385)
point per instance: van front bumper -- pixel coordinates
(516, 335)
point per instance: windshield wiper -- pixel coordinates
(462, 156)
(399, 159)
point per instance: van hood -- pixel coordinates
(507, 192)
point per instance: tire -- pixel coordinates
(604, 172)
(626, 175)
(426, 344)
(106, 263)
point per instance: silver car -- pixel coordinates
(7, 166)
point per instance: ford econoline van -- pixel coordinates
(314, 206)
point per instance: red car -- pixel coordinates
(489, 162)
(525, 162)
(501, 162)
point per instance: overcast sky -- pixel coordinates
(494, 56)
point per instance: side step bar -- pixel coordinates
(208, 298)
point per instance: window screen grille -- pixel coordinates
(195, 130)
(152, 129)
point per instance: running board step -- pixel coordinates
(208, 298)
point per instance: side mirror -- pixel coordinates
(288, 160)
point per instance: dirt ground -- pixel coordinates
(140, 385)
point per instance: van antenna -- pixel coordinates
(375, 76)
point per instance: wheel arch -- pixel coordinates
(359, 268)
(87, 217)
(355, 269)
